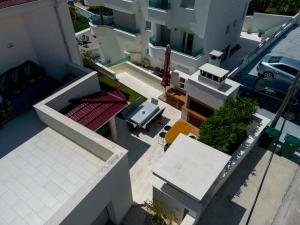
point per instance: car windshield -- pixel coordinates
(275, 59)
(271, 83)
(262, 84)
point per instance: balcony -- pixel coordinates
(159, 12)
(164, 5)
(193, 61)
(126, 6)
(107, 25)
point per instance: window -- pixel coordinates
(187, 43)
(262, 84)
(287, 69)
(209, 76)
(182, 80)
(148, 25)
(279, 94)
(234, 23)
(190, 4)
(275, 59)
(199, 108)
(204, 74)
(183, 41)
(216, 78)
(227, 29)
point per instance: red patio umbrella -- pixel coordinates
(166, 74)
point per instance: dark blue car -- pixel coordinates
(270, 93)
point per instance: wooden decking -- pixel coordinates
(181, 126)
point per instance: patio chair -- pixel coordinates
(131, 126)
(79, 41)
(154, 101)
(166, 147)
(85, 38)
(167, 128)
(161, 138)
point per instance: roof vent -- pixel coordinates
(215, 57)
(212, 75)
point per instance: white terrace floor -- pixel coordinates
(144, 152)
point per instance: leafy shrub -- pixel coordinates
(226, 129)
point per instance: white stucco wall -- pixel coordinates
(36, 34)
(208, 96)
(207, 21)
(86, 85)
(221, 14)
(113, 192)
(114, 42)
(13, 32)
(115, 173)
(140, 74)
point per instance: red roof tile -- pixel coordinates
(95, 110)
(8, 3)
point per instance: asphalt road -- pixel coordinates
(288, 46)
(289, 212)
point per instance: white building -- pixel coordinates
(64, 174)
(40, 31)
(205, 91)
(142, 29)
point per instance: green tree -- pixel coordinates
(286, 7)
(227, 127)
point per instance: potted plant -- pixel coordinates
(158, 214)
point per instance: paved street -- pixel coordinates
(232, 204)
(287, 46)
(289, 212)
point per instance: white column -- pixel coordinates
(113, 129)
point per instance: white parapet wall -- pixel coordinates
(138, 79)
(104, 193)
(255, 131)
(264, 21)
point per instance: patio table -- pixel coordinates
(142, 113)
(180, 126)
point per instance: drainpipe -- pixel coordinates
(61, 29)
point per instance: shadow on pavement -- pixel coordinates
(222, 210)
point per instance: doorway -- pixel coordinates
(187, 43)
(165, 35)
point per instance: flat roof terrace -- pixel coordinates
(39, 179)
(191, 166)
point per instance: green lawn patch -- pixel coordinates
(109, 83)
(80, 23)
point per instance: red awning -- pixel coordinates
(8, 3)
(95, 110)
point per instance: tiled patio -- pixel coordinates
(144, 151)
(19, 130)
